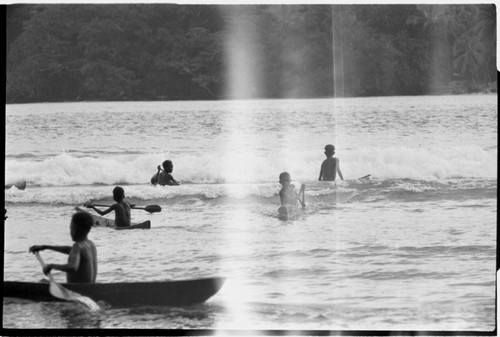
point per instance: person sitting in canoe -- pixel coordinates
(121, 208)
(82, 260)
(165, 177)
(288, 196)
(330, 165)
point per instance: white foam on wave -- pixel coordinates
(397, 162)
(77, 195)
(400, 162)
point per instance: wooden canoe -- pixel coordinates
(101, 221)
(20, 185)
(125, 294)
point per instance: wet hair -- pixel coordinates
(167, 164)
(285, 176)
(83, 223)
(118, 193)
(329, 149)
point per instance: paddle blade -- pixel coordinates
(150, 208)
(59, 291)
(84, 301)
(153, 208)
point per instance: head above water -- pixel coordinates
(329, 150)
(118, 194)
(285, 177)
(81, 223)
(168, 166)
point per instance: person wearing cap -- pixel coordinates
(330, 165)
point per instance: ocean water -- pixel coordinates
(411, 248)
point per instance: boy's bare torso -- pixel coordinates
(329, 169)
(288, 195)
(165, 178)
(87, 269)
(122, 214)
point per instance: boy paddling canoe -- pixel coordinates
(164, 178)
(121, 208)
(82, 260)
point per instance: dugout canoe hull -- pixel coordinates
(125, 294)
(100, 221)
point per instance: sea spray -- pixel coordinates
(382, 163)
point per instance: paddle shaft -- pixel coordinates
(49, 275)
(149, 208)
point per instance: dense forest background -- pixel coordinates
(94, 52)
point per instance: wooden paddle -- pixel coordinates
(59, 291)
(149, 208)
(366, 177)
(157, 176)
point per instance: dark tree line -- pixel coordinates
(71, 52)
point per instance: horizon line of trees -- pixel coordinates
(97, 52)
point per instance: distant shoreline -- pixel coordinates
(248, 99)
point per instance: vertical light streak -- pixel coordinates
(338, 91)
(338, 53)
(338, 66)
(243, 83)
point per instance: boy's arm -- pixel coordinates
(59, 249)
(111, 208)
(338, 169)
(320, 172)
(173, 181)
(73, 262)
(282, 197)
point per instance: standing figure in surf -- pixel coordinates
(330, 166)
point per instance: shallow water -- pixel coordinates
(412, 248)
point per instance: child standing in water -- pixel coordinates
(165, 177)
(82, 260)
(330, 165)
(288, 196)
(121, 208)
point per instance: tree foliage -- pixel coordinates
(68, 52)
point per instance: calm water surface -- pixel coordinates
(412, 248)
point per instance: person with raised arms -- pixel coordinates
(82, 260)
